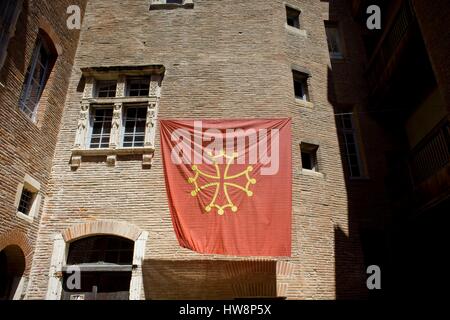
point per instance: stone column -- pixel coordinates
(136, 284)
(55, 276)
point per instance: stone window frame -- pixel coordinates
(163, 4)
(9, 33)
(355, 132)
(32, 185)
(296, 31)
(119, 103)
(62, 240)
(308, 103)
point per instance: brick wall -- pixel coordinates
(27, 147)
(223, 59)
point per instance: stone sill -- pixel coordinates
(111, 155)
(25, 217)
(156, 5)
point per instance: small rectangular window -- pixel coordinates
(293, 17)
(26, 200)
(138, 87)
(351, 150)
(309, 156)
(134, 126)
(101, 127)
(334, 41)
(300, 85)
(106, 89)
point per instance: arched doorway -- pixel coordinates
(12, 267)
(104, 267)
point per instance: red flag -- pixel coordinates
(229, 185)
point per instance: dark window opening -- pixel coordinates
(293, 17)
(309, 156)
(351, 150)
(37, 75)
(101, 249)
(301, 85)
(26, 200)
(334, 41)
(97, 258)
(106, 89)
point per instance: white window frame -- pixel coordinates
(313, 151)
(33, 186)
(347, 155)
(123, 126)
(93, 109)
(9, 33)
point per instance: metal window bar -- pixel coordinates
(351, 150)
(35, 80)
(134, 127)
(300, 86)
(138, 87)
(106, 89)
(25, 201)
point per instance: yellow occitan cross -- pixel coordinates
(230, 204)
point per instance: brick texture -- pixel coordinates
(223, 59)
(27, 147)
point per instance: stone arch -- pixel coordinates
(101, 227)
(19, 239)
(47, 30)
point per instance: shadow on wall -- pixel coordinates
(208, 279)
(350, 271)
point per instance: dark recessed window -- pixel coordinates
(36, 77)
(101, 127)
(351, 150)
(138, 87)
(334, 41)
(101, 249)
(293, 17)
(134, 126)
(300, 85)
(26, 200)
(309, 156)
(174, 1)
(106, 89)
